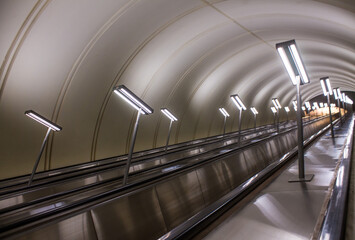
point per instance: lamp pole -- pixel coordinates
(293, 63)
(330, 116)
(39, 157)
(301, 174)
(51, 126)
(133, 140)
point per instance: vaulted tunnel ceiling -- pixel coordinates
(62, 59)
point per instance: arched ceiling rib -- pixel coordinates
(186, 55)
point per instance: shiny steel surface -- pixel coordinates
(136, 216)
(333, 225)
(180, 197)
(149, 212)
(40, 193)
(287, 210)
(77, 227)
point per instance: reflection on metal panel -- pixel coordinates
(235, 169)
(213, 182)
(180, 198)
(76, 227)
(136, 216)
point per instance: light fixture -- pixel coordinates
(253, 109)
(276, 103)
(325, 83)
(340, 95)
(132, 99)
(142, 108)
(240, 105)
(335, 93)
(172, 119)
(292, 61)
(51, 126)
(255, 112)
(168, 114)
(308, 105)
(238, 102)
(303, 108)
(225, 114)
(321, 104)
(294, 102)
(327, 91)
(44, 121)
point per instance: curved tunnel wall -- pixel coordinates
(62, 59)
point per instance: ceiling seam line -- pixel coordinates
(237, 23)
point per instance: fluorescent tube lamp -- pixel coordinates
(321, 104)
(273, 109)
(224, 112)
(335, 93)
(287, 109)
(308, 105)
(292, 61)
(238, 102)
(44, 121)
(325, 105)
(294, 104)
(332, 104)
(339, 94)
(325, 83)
(168, 114)
(315, 104)
(343, 97)
(132, 99)
(253, 109)
(51, 126)
(276, 103)
(303, 108)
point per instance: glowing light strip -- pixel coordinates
(299, 64)
(287, 65)
(340, 95)
(294, 104)
(35, 116)
(308, 105)
(238, 102)
(273, 109)
(323, 87)
(287, 109)
(253, 109)
(335, 93)
(329, 87)
(321, 104)
(168, 114)
(133, 100)
(224, 112)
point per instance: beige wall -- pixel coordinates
(62, 58)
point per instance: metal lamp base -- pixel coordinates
(307, 178)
